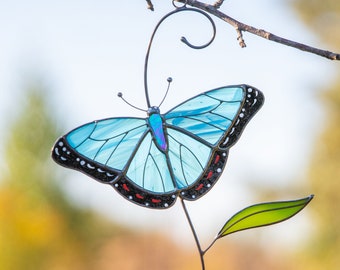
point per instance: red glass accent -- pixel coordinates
(138, 196)
(125, 187)
(199, 187)
(217, 159)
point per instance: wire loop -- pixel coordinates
(184, 5)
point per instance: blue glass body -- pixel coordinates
(156, 125)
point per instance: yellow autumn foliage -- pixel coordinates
(322, 252)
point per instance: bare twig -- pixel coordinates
(150, 5)
(218, 3)
(241, 27)
(240, 38)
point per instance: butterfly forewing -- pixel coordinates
(208, 115)
(110, 143)
(100, 148)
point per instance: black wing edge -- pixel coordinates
(64, 155)
(253, 101)
(209, 177)
(142, 197)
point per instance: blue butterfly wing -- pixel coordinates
(202, 129)
(149, 168)
(120, 152)
(148, 181)
(188, 157)
(102, 148)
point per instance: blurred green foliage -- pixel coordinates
(323, 17)
(39, 228)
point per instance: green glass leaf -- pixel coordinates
(263, 214)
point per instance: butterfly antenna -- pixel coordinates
(120, 94)
(167, 90)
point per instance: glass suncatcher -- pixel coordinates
(153, 161)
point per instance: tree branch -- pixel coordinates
(241, 27)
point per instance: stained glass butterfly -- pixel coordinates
(151, 161)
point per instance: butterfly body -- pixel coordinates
(156, 122)
(151, 161)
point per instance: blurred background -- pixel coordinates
(62, 64)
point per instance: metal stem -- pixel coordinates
(201, 253)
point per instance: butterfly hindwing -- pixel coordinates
(208, 177)
(188, 157)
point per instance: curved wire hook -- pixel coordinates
(184, 5)
(183, 39)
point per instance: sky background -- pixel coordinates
(86, 52)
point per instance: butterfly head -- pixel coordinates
(153, 110)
